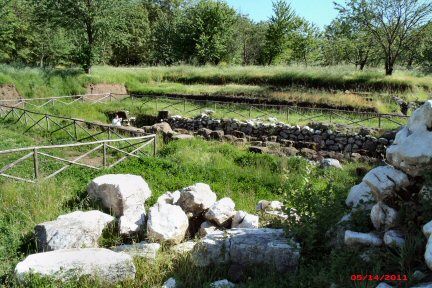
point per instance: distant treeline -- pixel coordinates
(50, 33)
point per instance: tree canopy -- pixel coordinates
(51, 33)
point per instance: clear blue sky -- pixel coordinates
(320, 12)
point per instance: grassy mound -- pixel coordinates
(315, 85)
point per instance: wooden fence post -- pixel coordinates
(379, 121)
(47, 122)
(154, 146)
(36, 163)
(75, 130)
(104, 154)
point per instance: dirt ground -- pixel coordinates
(9, 92)
(118, 91)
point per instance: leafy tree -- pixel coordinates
(304, 43)
(280, 24)
(164, 18)
(93, 24)
(350, 42)
(424, 56)
(15, 31)
(50, 46)
(166, 46)
(394, 24)
(250, 40)
(134, 47)
(207, 31)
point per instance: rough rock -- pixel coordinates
(428, 253)
(356, 238)
(383, 216)
(74, 230)
(425, 193)
(163, 127)
(258, 150)
(204, 132)
(133, 220)
(184, 247)
(217, 135)
(410, 150)
(359, 196)
(427, 229)
(124, 195)
(394, 238)
(385, 180)
(383, 285)
(222, 284)
(118, 192)
(329, 162)
(182, 137)
(423, 285)
(68, 264)
(169, 198)
(221, 212)
(143, 249)
(206, 228)
(196, 199)
(264, 205)
(245, 220)
(170, 283)
(249, 247)
(418, 275)
(167, 223)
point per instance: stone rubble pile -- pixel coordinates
(69, 244)
(408, 157)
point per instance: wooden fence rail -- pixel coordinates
(103, 147)
(74, 128)
(245, 110)
(64, 100)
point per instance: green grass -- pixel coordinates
(314, 85)
(150, 106)
(230, 171)
(317, 194)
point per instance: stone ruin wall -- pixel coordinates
(320, 137)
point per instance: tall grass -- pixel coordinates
(33, 82)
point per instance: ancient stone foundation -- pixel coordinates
(318, 136)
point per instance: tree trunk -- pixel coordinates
(410, 63)
(388, 66)
(88, 53)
